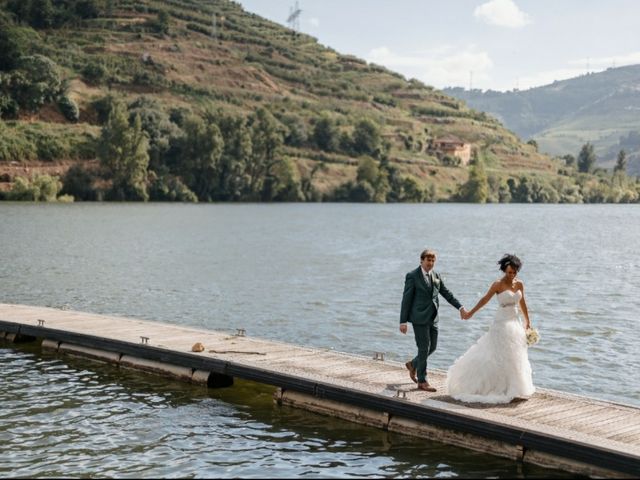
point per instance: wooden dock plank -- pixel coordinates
(560, 412)
(621, 428)
(582, 417)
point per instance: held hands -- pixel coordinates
(464, 314)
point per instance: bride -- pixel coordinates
(496, 369)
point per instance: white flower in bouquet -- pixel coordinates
(532, 336)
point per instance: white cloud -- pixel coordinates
(600, 63)
(441, 67)
(503, 13)
(314, 22)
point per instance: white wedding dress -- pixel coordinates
(496, 368)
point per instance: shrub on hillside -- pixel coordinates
(69, 108)
(94, 73)
(40, 188)
(169, 188)
(35, 82)
(78, 182)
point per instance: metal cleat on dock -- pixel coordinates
(401, 394)
(40, 322)
(378, 356)
(240, 332)
(144, 340)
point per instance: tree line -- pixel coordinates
(578, 181)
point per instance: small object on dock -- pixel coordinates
(401, 394)
(240, 332)
(378, 356)
(40, 322)
(236, 351)
(144, 340)
(197, 347)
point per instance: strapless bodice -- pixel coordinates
(507, 298)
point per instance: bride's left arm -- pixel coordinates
(523, 306)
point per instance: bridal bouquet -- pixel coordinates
(532, 336)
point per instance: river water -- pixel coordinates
(324, 275)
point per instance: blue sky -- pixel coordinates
(488, 44)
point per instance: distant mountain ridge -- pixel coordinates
(602, 108)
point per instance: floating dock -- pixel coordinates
(552, 429)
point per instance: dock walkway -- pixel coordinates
(552, 428)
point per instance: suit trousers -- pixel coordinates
(427, 341)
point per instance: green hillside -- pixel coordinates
(601, 108)
(147, 100)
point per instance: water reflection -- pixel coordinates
(91, 419)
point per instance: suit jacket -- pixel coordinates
(420, 301)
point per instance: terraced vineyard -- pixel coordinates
(168, 51)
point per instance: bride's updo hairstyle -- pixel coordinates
(510, 260)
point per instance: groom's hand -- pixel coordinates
(463, 314)
(403, 328)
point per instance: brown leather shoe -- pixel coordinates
(412, 371)
(426, 387)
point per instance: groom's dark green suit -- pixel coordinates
(420, 303)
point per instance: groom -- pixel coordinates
(420, 307)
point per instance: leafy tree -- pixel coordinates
(309, 192)
(533, 143)
(41, 14)
(283, 184)
(69, 108)
(200, 152)
(586, 158)
(366, 137)
(476, 189)
(161, 23)
(450, 161)
(499, 191)
(94, 72)
(11, 49)
(36, 81)
(160, 130)
(266, 140)
(345, 143)
(169, 188)
(296, 134)
(78, 182)
(40, 188)
(621, 162)
(412, 191)
(233, 180)
(372, 182)
(368, 170)
(326, 135)
(88, 8)
(532, 189)
(569, 160)
(122, 151)
(21, 9)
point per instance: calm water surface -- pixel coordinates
(320, 275)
